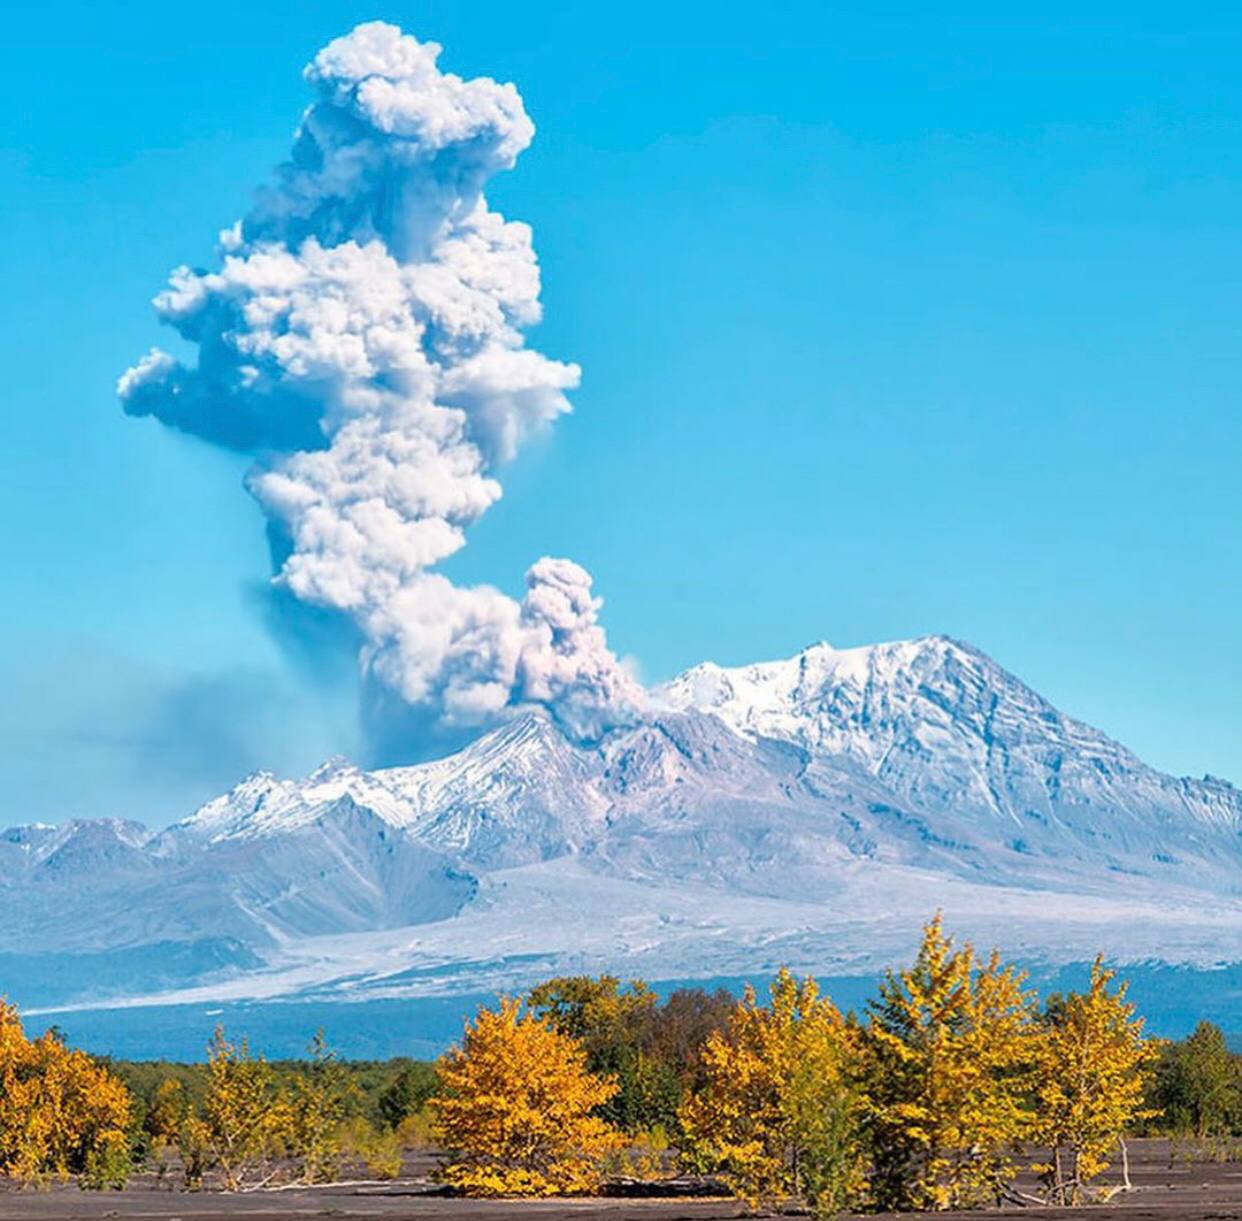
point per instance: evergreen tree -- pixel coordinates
(1197, 1084)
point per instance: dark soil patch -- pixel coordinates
(1168, 1187)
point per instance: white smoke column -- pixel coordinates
(362, 339)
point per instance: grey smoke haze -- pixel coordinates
(362, 339)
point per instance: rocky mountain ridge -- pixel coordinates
(904, 776)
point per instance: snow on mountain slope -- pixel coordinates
(787, 804)
(262, 805)
(518, 794)
(949, 733)
(103, 886)
(931, 718)
(92, 842)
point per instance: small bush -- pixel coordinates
(648, 1157)
(107, 1164)
(415, 1131)
(379, 1150)
(383, 1156)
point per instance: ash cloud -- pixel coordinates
(362, 339)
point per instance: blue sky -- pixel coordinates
(922, 320)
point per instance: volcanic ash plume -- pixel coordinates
(362, 340)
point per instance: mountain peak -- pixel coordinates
(332, 767)
(816, 646)
(932, 718)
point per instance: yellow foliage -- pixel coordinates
(1093, 1062)
(647, 1156)
(948, 1054)
(415, 1131)
(167, 1112)
(245, 1120)
(516, 1113)
(378, 1149)
(320, 1097)
(60, 1111)
(778, 1113)
(383, 1156)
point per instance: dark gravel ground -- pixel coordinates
(1168, 1187)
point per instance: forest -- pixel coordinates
(954, 1078)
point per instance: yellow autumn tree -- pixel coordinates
(778, 1113)
(319, 1100)
(516, 1109)
(948, 1052)
(591, 1008)
(167, 1111)
(1092, 1078)
(61, 1113)
(245, 1120)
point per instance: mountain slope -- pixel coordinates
(951, 734)
(810, 810)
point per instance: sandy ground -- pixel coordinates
(1168, 1188)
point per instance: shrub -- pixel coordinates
(107, 1164)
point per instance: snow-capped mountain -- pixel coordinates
(810, 810)
(952, 735)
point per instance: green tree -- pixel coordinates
(410, 1091)
(1197, 1084)
(611, 1022)
(652, 1050)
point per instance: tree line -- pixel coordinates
(927, 1100)
(922, 1103)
